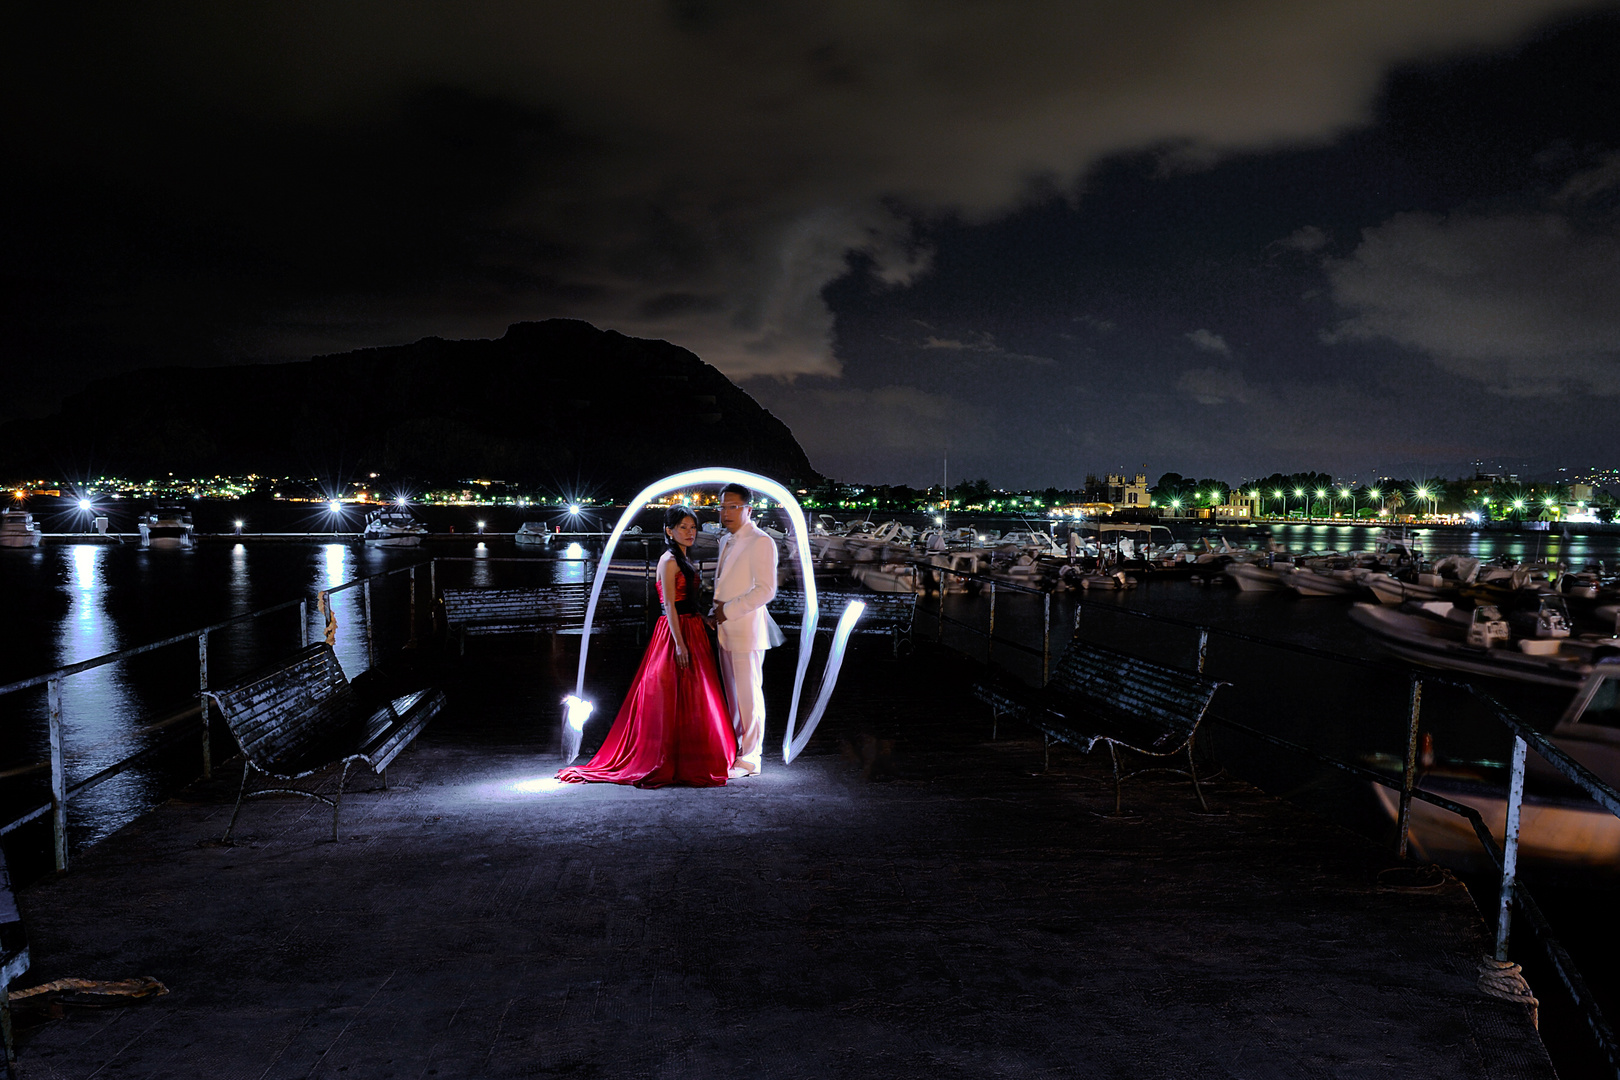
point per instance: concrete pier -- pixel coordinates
(909, 899)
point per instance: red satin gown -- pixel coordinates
(674, 726)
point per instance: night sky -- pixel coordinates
(1044, 238)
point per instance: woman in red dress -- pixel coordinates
(674, 727)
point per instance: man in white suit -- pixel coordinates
(744, 582)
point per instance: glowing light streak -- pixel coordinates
(801, 543)
(791, 743)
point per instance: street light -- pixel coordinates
(1299, 493)
(1423, 493)
(1321, 493)
(1283, 495)
(1347, 493)
(1379, 495)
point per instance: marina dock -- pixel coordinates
(909, 898)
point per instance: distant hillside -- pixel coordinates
(557, 403)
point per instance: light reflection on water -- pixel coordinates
(337, 566)
(97, 705)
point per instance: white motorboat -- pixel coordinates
(1104, 582)
(17, 529)
(167, 527)
(1438, 633)
(1252, 577)
(1320, 581)
(532, 534)
(888, 577)
(393, 526)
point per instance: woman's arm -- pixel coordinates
(668, 574)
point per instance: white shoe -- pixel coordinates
(737, 772)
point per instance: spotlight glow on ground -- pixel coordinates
(539, 785)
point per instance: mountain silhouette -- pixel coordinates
(556, 404)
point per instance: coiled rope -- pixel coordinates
(1504, 980)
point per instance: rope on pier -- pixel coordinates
(1504, 980)
(325, 602)
(141, 987)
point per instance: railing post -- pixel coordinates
(202, 699)
(939, 623)
(1409, 776)
(365, 598)
(410, 642)
(303, 623)
(990, 638)
(1510, 849)
(53, 696)
(1203, 647)
(433, 581)
(1046, 636)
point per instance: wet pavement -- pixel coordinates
(908, 899)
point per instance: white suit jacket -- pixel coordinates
(745, 583)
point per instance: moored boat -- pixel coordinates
(1438, 633)
(17, 529)
(393, 526)
(167, 527)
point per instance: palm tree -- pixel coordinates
(1395, 500)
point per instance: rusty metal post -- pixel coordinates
(939, 624)
(433, 581)
(303, 623)
(53, 697)
(1510, 849)
(1409, 776)
(990, 638)
(1078, 607)
(202, 701)
(410, 642)
(1046, 637)
(1203, 648)
(365, 598)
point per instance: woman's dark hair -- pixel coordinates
(673, 517)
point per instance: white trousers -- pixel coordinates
(744, 675)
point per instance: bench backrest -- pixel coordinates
(882, 609)
(1151, 707)
(270, 712)
(545, 603)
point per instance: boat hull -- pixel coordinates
(1550, 833)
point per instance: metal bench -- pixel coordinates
(303, 717)
(886, 613)
(557, 609)
(1099, 695)
(13, 960)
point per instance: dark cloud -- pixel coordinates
(213, 182)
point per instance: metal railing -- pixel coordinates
(194, 720)
(185, 719)
(1512, 893)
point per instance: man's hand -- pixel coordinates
(719, 613)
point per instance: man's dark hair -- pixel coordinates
(738, 490)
